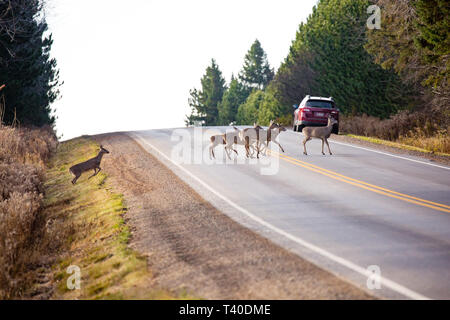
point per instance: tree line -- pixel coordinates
(217, 103)
(30, 75)
(403, 65)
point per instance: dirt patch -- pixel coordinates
(192, 246)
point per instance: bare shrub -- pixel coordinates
(32, 146)
(23, 226)
(17, 217)
(424, 129)
(20, 178)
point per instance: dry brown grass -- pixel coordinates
(23, 227)
(417, 129)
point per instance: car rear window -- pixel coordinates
(320, 104)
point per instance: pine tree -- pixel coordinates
(328, 58)
(248, 111)
(204, 103)
(232, 99)
(256, 72)
(30, 75)
(433, 41)
(414, 43)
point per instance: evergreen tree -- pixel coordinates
(248, 111)
(328, 58)
(204, 103)
(30, 75)
(433, 42)
(232, 99)
(256, 72)
(414, 42)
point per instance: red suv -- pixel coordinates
(314, 111)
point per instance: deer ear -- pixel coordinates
(235, 128)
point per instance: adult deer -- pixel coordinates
(228, 139)
(91, 164)
(322, 133)
(261, 136)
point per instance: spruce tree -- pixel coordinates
(232, 99)
(248, 111)
(30, 75)
(204, 103)
(256, 72)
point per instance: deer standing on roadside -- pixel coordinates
(320, 133)
(91, 164)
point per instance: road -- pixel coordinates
(356, 212)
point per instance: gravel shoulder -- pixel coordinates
(192, 247)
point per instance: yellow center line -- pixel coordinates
(368, 184)
(364, 185)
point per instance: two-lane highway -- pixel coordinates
(345, 212)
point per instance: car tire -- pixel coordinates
(300, 127)
(335, 129)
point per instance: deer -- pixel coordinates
(91, 164)
(262, 137)
(322, 133)
(228, 139)
(271, 135)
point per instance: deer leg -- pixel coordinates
(95, 173)
(227, 152)
(252, 148)
(323, 141)
(279, 145)
(75, 179)
(304, 145)
(328, 147)
(263, 148)
(247, 146)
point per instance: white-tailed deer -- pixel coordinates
(260, 136)
(91, 164)
(228, 139)
(322, 133)
(272, 133)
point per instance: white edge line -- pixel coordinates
(385, 153)
(384, 281)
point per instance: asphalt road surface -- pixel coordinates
(378, 220)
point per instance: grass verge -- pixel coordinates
(396, 145)
(99, 243)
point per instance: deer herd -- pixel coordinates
(257, 139)
(254, 139)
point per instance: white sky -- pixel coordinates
(129, 65)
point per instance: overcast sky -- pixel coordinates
(129, 65)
